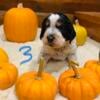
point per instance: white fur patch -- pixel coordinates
(59, 39)
(61, 49)
(53, 19)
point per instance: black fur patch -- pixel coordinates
(66, 27)
(44, 26)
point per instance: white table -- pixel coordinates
(88, 51)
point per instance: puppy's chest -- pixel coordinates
(59, 54)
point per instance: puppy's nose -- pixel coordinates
(50, 38)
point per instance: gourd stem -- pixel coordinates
(20, 5)
(41, 67)
(75, 20)
(73, 66)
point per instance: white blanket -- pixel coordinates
(88, 51)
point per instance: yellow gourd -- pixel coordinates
(20, 24)
(81, 33)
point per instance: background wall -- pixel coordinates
(87, 11)
(68, 6)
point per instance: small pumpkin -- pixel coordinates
(8, 75)
(81, 33)
(94, 65)
(20, 24)
(3, 56)
(79, 84)
(36, 85)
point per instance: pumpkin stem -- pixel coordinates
(20, 5)
(41, 67)
(73, 65)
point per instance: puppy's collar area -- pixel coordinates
(62, 48)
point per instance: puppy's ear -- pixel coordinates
(67, 28)
(43, 27)
(72, 32)
(70, 29)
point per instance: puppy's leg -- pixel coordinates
(72, 59)
(46, 58)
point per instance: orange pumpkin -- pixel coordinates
(20, 24)
(80, 84)
(3, 56)
(36, 86)
(93, 65)
(8, 75)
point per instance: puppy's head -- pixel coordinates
(56, 30)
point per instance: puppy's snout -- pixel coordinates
(50, 38)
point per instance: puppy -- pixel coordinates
(58, 36)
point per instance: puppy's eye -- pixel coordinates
(47, 23)
(58, 24)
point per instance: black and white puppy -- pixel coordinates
(58, 36)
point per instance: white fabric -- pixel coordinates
(88, 51)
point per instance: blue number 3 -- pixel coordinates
(26, 53)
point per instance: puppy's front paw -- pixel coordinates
(71, 63)
(46, 58)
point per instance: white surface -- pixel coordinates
(88, 51)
